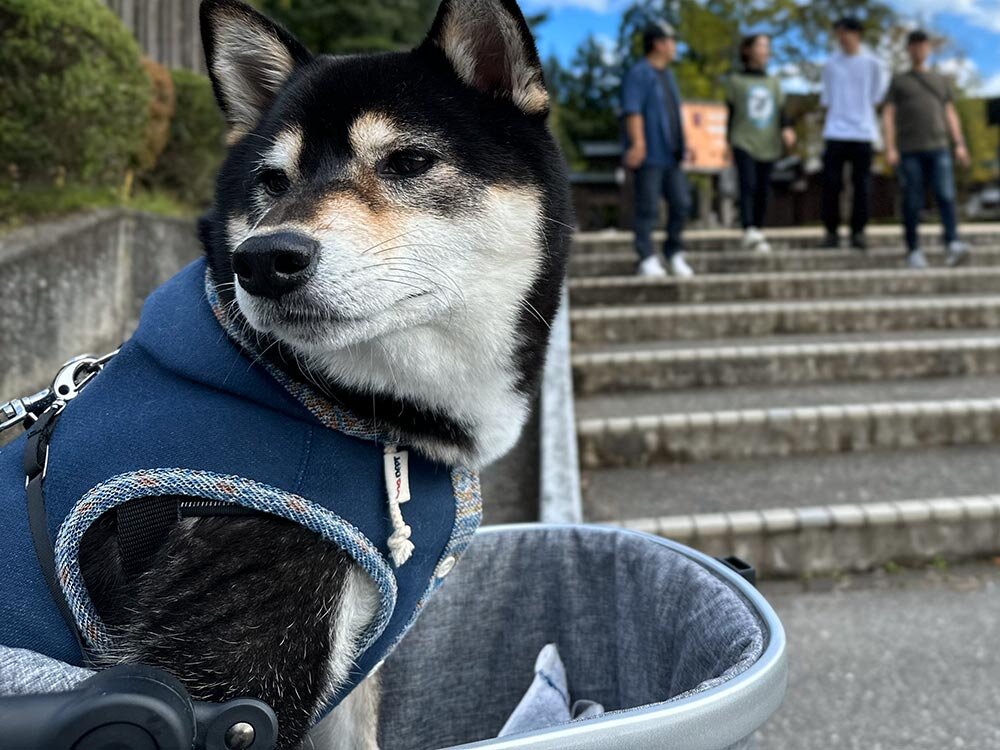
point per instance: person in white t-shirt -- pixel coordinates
(854, 84)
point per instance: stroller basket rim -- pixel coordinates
(709, 720)
(713, 719)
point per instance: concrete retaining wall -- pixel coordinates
(77, 285)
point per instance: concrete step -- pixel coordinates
(802, 338)
(783, 364)
(826, 539)
(893, 660)
(780, 396)
(697, 426)
(792, 238)
(789, 482)
(623, 262)
(639, 290)
(652, 322)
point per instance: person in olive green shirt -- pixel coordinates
(758, 134)
(921, 124)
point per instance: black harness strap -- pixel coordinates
(36, 453)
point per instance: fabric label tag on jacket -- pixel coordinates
(397, 476)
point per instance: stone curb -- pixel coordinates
(840, 538)
(629, 290)
(750, 433)
(663, 369)
(790, 239)
(709, 321)
(622, 262)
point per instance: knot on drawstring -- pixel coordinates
(397, 485)
(399, 543)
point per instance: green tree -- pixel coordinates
(346, 26)
(982, 140)
(709, 32)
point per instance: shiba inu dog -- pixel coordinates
(392, 231)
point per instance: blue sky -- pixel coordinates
(972, 25)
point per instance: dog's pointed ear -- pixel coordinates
(490, 47)
(249, 59)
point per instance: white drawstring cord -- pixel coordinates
(397, 486)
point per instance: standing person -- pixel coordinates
(921, 123)
(655, 150)
(758, 134)
(854, 83)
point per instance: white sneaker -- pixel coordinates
(679, 266)
(957, 253)
(651, 266)
(751, 238)
(754, 239)
(916, 260)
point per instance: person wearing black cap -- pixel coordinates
(854, 83)
(655, 149)
(921, 124)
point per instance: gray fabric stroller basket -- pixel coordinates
(680, 650)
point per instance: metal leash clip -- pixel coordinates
(66, 386)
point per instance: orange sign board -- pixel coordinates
(705, 135)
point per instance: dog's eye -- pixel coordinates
(275, 182)
(406, 164)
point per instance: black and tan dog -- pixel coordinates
(391, 229)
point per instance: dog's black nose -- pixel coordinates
(275, 264)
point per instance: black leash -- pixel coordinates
(36, 457)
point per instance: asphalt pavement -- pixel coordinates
(904, 660)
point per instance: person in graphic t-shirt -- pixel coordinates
(655, 149)
(854, 84)
(758, 134)
(921, 125)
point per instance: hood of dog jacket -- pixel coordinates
(185, 410)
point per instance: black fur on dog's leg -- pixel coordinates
(231, 606)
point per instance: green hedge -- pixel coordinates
(73, 96)
(195, 148)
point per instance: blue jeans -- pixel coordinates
(916, 169)
(652, 183)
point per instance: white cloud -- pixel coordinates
(989, 87)
(964, 71)
(969, 77)
(982, 13)
(795, 81)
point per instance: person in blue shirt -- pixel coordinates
(655, 149)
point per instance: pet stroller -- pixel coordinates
(679, 649)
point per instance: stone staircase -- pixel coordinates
(811, 410)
